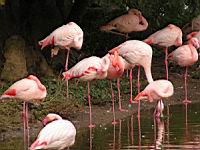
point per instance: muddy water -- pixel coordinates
(179, 130)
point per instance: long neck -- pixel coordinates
(148, 74)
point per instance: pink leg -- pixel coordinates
(89, 101)
(131, 87)
(27, 124)
(139, 128)
(24, 123)
(138, 79)
(66, 68)
(186, 101)
(166, 62)
(113, 104)
(119, 95)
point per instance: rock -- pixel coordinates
(15, 61)
(36, 63)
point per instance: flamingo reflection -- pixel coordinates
(159, 132)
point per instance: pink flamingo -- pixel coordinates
(57, 134)
(156, 90)
(194, 34)
(185, 56)
(115, 71)
(169, 36)
(131, 22)
(136, 52)
(64, 37)
(89, 69)
(26, 89)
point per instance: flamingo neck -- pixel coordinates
(148, 74)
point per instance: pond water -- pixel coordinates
(179, 130)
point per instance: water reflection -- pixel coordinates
(179, 130)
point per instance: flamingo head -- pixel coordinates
(141, 96)
(78, 41)
(51, 117)
(195, 42)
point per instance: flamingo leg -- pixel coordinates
(186, 101)
(138, 79)
(27, 124)
(157, 112)
(131, 87)
(66, 68)
(166, 62)
(24, 123)
(89, 101)
(113, 104)
(119, 96)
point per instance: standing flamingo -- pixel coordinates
(64, 37)
(115, 71)
(156, 90)
(186, 56)
(57, 134)
(89, 69)
(131, 22)
(169, 36)
(26, 89)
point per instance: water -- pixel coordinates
(179, 130)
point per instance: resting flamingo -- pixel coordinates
(166, 37)
(156, 90)
(57, 134)
(64, 37)
(26, 89)
(131, 22)
(186, 56)
(88, 69)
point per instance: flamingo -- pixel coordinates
(57, 134)
(115, 71)
(127, 23)
(136, 52)
(166, 37)
(26, 89)
(186, 56)
(194, 34)
(64, 37)
(88, 69)
(156, 90)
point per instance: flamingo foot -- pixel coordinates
(114, 122)
(123, 110)
(186, 101)
(91, 126)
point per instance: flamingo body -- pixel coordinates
(89, 69)
(186, 55)
(57, 134)
(166, 37)
(66, 36)
(26, 89)
(131, 22)
(136, 52)
(156, 90)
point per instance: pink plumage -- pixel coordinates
(194, 34)
(131, 22)
(156, 90)
(166, 37)
(26, 89)
(169, 36)
(136, 52)
(66, 36)
(57, 134)
(89, 69)
(186, 55)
